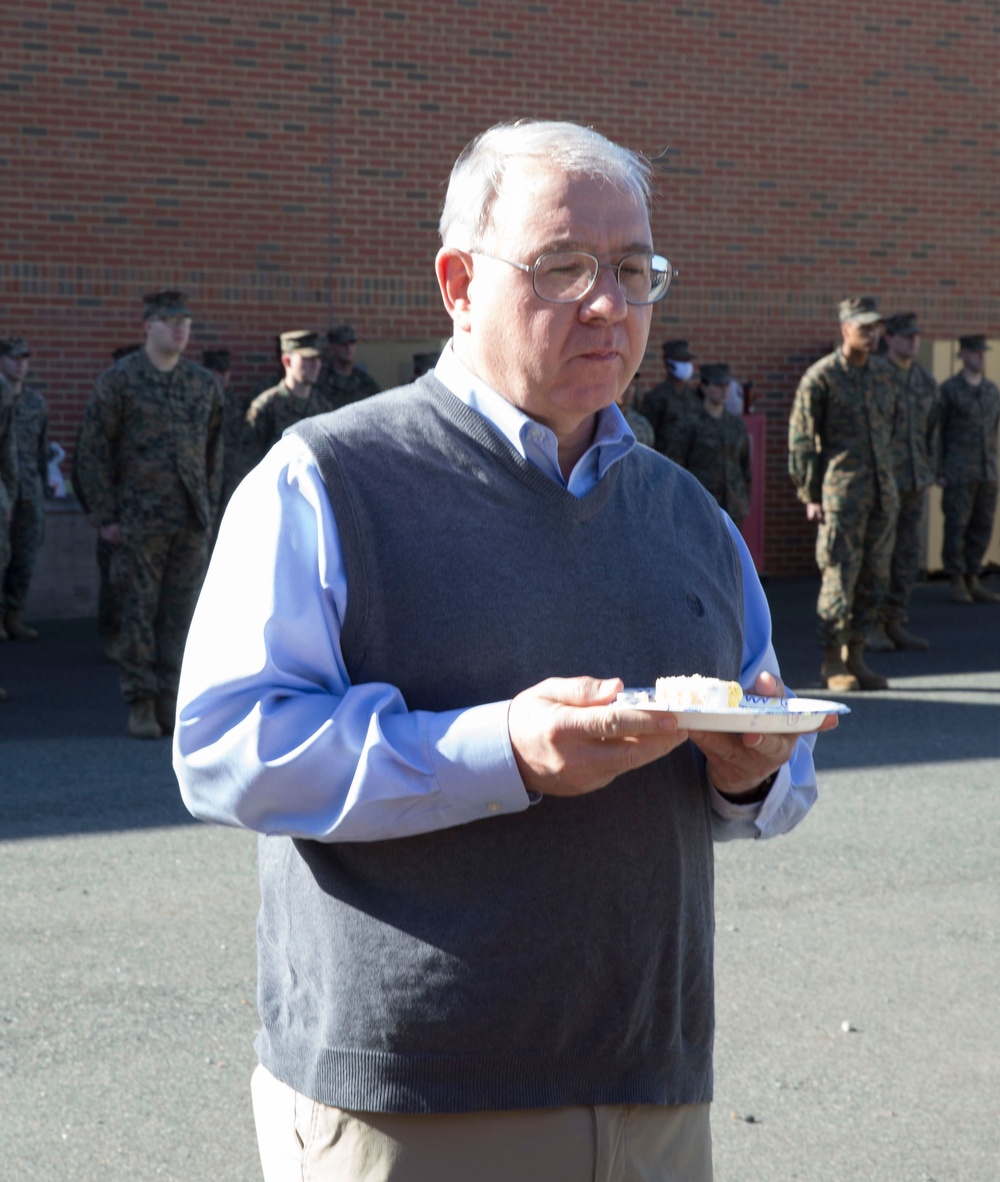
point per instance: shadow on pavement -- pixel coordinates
(67, 765)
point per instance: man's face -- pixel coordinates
(903, 345)
(301, 369)
(974, 360)
(168, 334)
(560, 363)
(860, 338)
(14, 369)
(344, 355)
(715, 394)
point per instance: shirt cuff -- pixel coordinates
(761, 811)
(474, 763)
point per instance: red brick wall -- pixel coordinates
(260, 155)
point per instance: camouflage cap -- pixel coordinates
(974, 344)
(715, 375)
(14, 347)
(859, 310)
(161, 304)
(124, 351)
(903, 324)
(343, 334)
(217, 360)
(677, 351)
(299, 341)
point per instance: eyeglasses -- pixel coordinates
(566, 276)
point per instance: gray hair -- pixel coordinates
(482, 167)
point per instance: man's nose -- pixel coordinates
(605, 300)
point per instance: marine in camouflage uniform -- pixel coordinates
(27, 524)
(342, 382)
(150, 469)
(841, 462)
(294, 398)
(914, 446)
(967, 470)
(669, 402)
(638, 424)
(713, 445)
(8, 476)
(235, 464)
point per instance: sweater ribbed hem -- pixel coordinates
(379, 1081)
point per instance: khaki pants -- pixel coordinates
(303, 1141)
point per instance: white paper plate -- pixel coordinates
(767, 715)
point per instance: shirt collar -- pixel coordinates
(533, 441)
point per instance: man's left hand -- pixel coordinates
(739, 764)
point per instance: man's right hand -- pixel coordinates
(112, 533)
(814, 511)
(569, 737)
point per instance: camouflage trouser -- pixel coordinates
(109, 608)
(853, 552)
(905, 568)
(968, 524)
(160, 576)
(27, 531)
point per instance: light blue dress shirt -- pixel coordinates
(271, 734)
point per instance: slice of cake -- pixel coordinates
(697, 693)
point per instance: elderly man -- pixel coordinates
(485, 942)
(840, 460)
(150, 470)
(967, 470)
(343, 382)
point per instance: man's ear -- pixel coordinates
(453, 268)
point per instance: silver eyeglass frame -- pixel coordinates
(530, 269)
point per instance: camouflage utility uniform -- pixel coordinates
(717, 451)
(151, 460)
(271, 413)
(665, 405)
(27, 526)
(342, 389)
(8, 469)
(967, 463)
(640, 427)
(238, 458)
(840, 456)
(914, 444)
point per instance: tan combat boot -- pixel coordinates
(977, 591)
(834, 673)
(959, 593)
(142, 722)
(15, 629)
(903, 639)
(854, 659)
(878, 640)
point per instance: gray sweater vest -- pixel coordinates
(562, 955)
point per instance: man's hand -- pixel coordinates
(739, 764)
(814, 512)
(569, 738)
(112, 533)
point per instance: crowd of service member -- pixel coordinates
(870, 432)
(165, 442)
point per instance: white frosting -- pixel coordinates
(697, 693)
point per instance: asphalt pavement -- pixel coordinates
(858, 958)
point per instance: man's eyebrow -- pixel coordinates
(635, 247)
